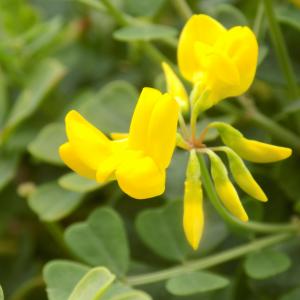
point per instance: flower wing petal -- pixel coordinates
(162, 131)
(141, 178)
(70, 158)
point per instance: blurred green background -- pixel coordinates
(57, 55)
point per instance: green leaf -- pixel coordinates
(119, 291)
(94, 4)
(45, 76)
(52, 203)
(113, 107)
(92, 285)
(61, 277)
(266, 263)
(161, 230)
(1, 293)
(101, 241)
(291, 295)
(147, 32)
(45, 146)
(176, 175)
(289, 15)
(8, 167)
(230, 16)
(196, 282)
(77, 183)
(40, 37)
(143, 8)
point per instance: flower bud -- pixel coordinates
(193, 219)
(250, 149)
(175, 87)
(225, 188)
(243, 177)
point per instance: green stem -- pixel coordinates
(120, 18)
(281, 50)
(257, 26)
(57, 234)
(230, 219)
(277, 131)
(182, 8)
(209, 261)
(26, 288)
(154, 53)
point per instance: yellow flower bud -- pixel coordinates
(225, 188)
(224, 61)
(243, 177)
(175, 87)
(193, 219)
(250, 149)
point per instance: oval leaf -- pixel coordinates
(161, 230)
(52, 203)
(147, 32)
(112, 108)
(196, 282)
(61, 277)
(266, 263)
(92, 285)
(46, 75)
(77, 183)
(101, 240)
(45, 145)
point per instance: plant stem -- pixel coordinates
(230, 219)
(57, 234)
(209, 261)
(278, 131)
(257, 25)
(116, 13)
(281, 50)
(182, 8)
(27, 287)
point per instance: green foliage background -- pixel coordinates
(57, 55)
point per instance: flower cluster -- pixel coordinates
(219, 63)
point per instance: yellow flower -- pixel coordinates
(138, 162)
(225, 188)
(219, 60)
(193, 218)
(175, 87)
(243, 177)
(250, 149)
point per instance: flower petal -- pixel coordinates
(70, 158)
(193, 218)
(200, 28)
(243, 177)
(175, 87)
(141, 117)
(162, 131)
(141, 178)
(89, 143)
(225, 189)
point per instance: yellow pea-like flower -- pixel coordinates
(193, 218)
(175, 87)
(220, 60)
(138, 161)
(243, 177)
(250, 149)
(225, 189)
